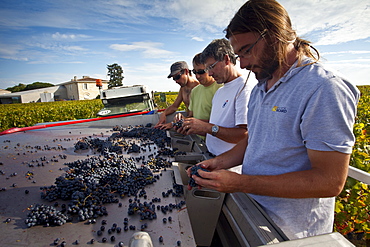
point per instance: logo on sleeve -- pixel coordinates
(223, 106)
(279, 109)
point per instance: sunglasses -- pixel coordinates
(199, 72)
(175, 78)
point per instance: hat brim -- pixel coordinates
(173, 73)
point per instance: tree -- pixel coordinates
(18, 88)
(115, 75)
(23, 87)
(37, 85)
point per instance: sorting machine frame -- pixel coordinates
(210, 219)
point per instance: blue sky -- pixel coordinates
(53, 41)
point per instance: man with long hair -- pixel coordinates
(300, 121)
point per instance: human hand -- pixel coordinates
(210, 165)
(194, 171)
(165, 126)
(161, 121)
(193, 126)
(220, 180)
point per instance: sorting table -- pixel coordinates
(56, 146)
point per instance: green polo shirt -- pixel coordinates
(201, 100)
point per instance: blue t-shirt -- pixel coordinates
(308, 108)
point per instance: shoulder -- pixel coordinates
(218, 85)
(197, 89)
(214, 87)
(316, 77)
(239, 80)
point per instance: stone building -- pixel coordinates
(75, 89)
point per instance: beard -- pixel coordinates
(268, 63)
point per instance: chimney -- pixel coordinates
(75, 78)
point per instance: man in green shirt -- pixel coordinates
(202, 95)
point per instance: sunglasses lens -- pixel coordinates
(175, 78)
(200, 72)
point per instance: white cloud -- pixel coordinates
(73, 37)
(9, 50)
(71, 31)
(347, 68)
(359, 62)
(125, 47)
(59, 47)
(337, 21)
(149, 49)
(332, 21)
(73, 48)
(192, 15)
(345, 52)
(12, 52)
(326, 21)
(197, 39)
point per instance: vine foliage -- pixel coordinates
(352, 207)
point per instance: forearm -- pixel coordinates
(234, 156)
(303, 184)
(201, 127)
(322, 180)
(169, 110)
(231, 135)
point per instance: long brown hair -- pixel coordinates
(260, 15)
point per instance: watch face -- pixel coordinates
(214, 130)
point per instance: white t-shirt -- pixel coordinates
(229, 109)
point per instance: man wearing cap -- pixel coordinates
(181, 74)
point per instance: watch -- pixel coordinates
(215, 129)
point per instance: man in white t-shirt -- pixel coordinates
(228, 120)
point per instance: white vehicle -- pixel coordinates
(126, 99)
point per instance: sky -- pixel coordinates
(53, 41)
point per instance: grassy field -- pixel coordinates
(23, 115)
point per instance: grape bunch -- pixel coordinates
(134, 148)
(178, 124)
(90, 183)
(116, 144)
(45, 215)
(158, 136)
(101, 146)
(170, 152)
(194, 171)
(157, 163)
